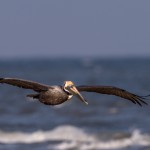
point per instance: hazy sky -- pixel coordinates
(74, 28)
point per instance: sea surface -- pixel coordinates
(107, 123)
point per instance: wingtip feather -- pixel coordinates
(1, 79)
(140, 100)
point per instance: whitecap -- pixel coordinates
(70, 137)
(136, 140)
(65, 132)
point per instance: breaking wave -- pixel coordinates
(70, 137)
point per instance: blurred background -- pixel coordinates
(88, 42)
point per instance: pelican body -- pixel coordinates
(54, 95)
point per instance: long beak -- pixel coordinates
(73, 90)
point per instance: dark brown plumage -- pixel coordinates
(110, 90)
(54, 95)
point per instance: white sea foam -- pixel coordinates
(136, 140)
(60, 133)
(73, 137)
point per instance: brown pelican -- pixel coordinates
(54, 95)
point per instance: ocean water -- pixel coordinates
(107, 123)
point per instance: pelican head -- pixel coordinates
(70, 87)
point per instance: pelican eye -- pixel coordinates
(70, 86)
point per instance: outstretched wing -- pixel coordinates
(25, 84)
(110, 90)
